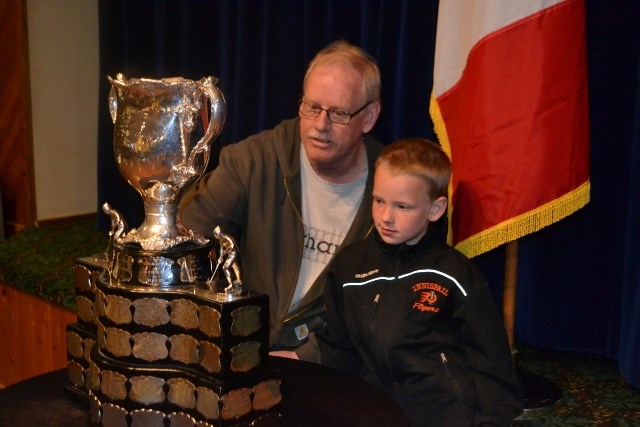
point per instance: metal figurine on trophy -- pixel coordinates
(228, 258)
(157, 341)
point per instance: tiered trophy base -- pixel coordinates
(138, 395)
(170, 357)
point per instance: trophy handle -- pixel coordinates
(216, 118)
(113, 97)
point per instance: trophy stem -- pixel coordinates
(160, 220)
(159, 230)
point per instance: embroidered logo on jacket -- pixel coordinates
(428, 295)
(367, 274)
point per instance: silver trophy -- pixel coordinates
(166, 332)
(154, 150)
(157, 154)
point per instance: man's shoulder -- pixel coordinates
(263, 149)
(373, 144)
(285, 131)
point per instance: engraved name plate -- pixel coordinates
(182, 393)
(113, 385)
(209, 321)
(155, 271)
(147, 418)
(84, 308)
(75, 373)
(246, 320)
(118, 342)
(187, 268)
(184, 313)
(150, 346)
(94, 377)
(266, 395)
(99, 303)
(180, 419)
(150, 312)
(184, 348)
(101, 336)
(114, 415)
(82, 278)
(87, 344)
(122, 270)
(147, 389)
(236, 403)
(118, 309)
(74, 345)
(245, 356)
(207, 403)
(210, 356)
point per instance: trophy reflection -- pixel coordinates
(156, 152)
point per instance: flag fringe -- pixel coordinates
(441, 132)
(513, 228)
(527, 223)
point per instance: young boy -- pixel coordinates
(412, 315)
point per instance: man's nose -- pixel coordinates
(322, 121)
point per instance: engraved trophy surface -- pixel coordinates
(154, 151)
(165, 333)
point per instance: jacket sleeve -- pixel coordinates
(219, 197)
(498, 393)
(331, 345)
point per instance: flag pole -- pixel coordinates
(509, 290)
(538, 392)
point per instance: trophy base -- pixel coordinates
(182, 266)
(133, 395)
(170, 356)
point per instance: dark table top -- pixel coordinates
(312, 395)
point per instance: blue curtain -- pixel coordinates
(259, 50)
(578, 280)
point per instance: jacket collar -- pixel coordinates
(429, 242)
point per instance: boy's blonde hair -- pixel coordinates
(420, 157)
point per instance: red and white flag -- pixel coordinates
(510, 107)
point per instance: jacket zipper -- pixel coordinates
(383, 361)
(376, 300)
(445, 362)
(288, 194)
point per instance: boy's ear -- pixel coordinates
(438, 208)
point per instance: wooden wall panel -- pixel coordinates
(17, 181)
(32, 335)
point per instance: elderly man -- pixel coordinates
(294, 194)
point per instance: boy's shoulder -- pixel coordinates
(356, 252)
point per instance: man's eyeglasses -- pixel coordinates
(312, 111)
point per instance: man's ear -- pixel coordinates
(438, 208)
(372, 112)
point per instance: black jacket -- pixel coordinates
(419, 322)
(255, 195)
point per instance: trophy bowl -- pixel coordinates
(154, 149)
